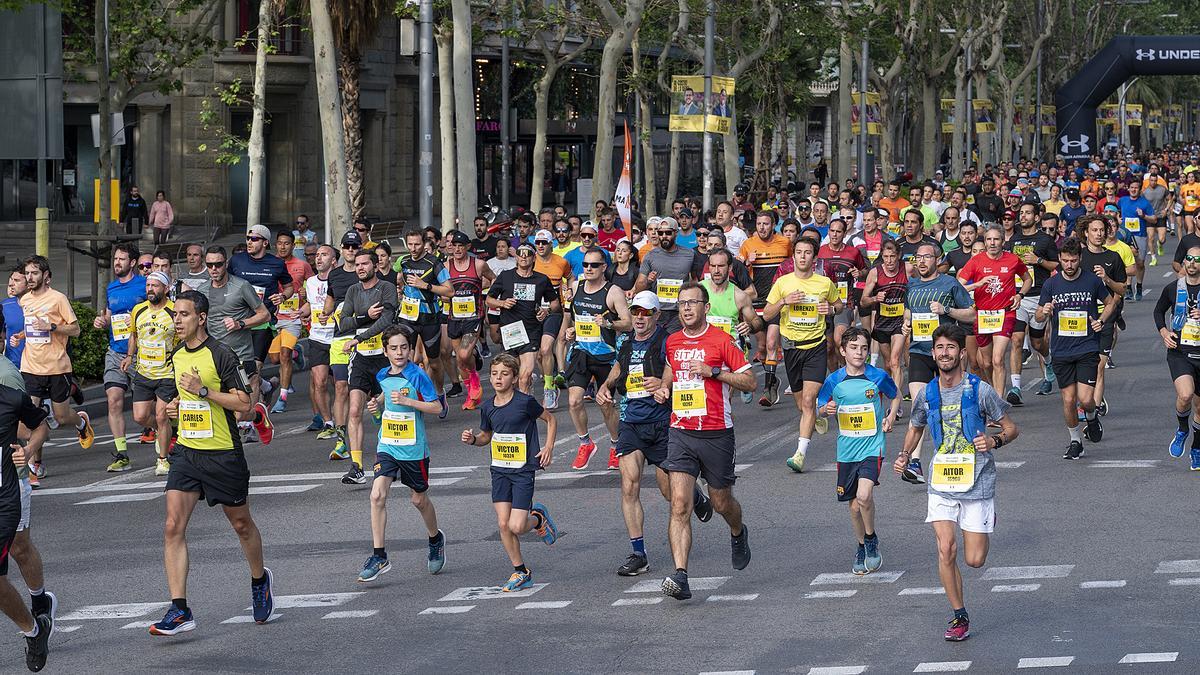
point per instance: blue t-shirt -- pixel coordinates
(402, 434)
(1130, 221)
(574, 258)
(1070, 214)
(1075, 305)
(123, 296)
(860, 412)
(266, 275)
(642, 408)
(686, 240)
(944, 289)
(14, 322)
(517, 421)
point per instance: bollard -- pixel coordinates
(42, 231)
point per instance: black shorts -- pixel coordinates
(316, 353)
(430, 334)
(850, 472)
(707, 454)
(806, 365)
(1082, 369)
(583, 367)
(260, 341)
(967, 326)
(515, 487)
(145, 389)
(220, 476)
(363, 371)
(459, 328)
(412, 473)
(56, 388)
(884, 336)
(493, 319)
(649, 437)
(553, 324)
(1108, 335)
(1181, 365)
(531, 347)
(921, 368)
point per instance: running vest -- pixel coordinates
(587, 309)
(723, 310)
(1181, 305)
(889, 314)
(468, 290)
(652, 362)
(973, 423)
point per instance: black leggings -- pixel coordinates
(160, 235)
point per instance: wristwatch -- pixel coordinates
(53, 327)
(716, 371)
(241, 324)
(203, 393)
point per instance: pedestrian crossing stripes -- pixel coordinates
(1046, 662)
(630, 602)
(696, 584)
(942, 667)
(1178, 567)
(839, 578)
(351, 614)
(470, 593)
(1118, 583)
(448, 609)
(1026, 572)
(821, 595)
(837, 670)
(552, 604)
(745, 597)
(1015, 588)
(1150, 657)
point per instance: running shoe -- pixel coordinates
(550, 399)
(374, 566)
(437, 554)
(1176, 448)
(874, 560)
(1014, 396)
(548, 531)
(634, 565)
(559, 381)
(148, 436)
(1026, 354)
(445, 408)
(51, 420)
(34, 481)
(586, 450)
(299, 359)
(249, 435)
(1093, 430)
(86, 435)
(263, 599)
(518, 581)
(821, 426)
(175, 621)
(484, 350)
(279, 407)
(317, 424)
(1045, 388)
(859, 567)
(262, 424)
(339, 452)
(676, 585)
(614, 464)
(913, 474)
(787, 391)
(455, 390)
(46, 603)
(1074, 450)
(1102, 409)
(1137, 295)
(740, 546)
(959, 630)
(747, 397)
(327, 433)
(474, 393)
(37, 648)
(702, 506)
(354, 476)
(770, 392)
(796, 463)
(120, 463)
(1129, 293)
(162, 466)
(1160, 247)
(1153, 260)
(1195, 459)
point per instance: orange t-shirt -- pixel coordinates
(1190, 192)
(46, 352)
(894, 207)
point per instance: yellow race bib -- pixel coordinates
(635, 382)
(152, 354)
(857, 421)
(668, 290)
(689, 399)
(891, 309)
(399, 428)
(1133, 225)
(587, 329)
(463, 307)
(724, 323)
(290, 307)
(1073, 323)
(509, 451)
(843, 290)
(122, 326)
(803, 313)
(195, 419)
(952, 473)
(372, 346)
(1190, 333)
(989, 321)
(923, 325)
(410, 309)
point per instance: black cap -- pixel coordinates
(351, 238)
(686, 212)
(460, 237)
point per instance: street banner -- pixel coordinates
(1108, 114)
(1133, 114)
(874, 119)
(625, 185)
(985, 120)
(689, 110)
(948, 124)
(1022, 119)
(1154, 119)
(1048, 113)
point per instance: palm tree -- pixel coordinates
(355, 24)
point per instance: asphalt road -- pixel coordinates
(1092, 563)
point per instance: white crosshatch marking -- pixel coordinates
(471, 593)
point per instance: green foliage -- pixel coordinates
(89, 347)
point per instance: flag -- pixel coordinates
(625, 186)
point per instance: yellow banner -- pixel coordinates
(1133, 114)
(1108, 114)
(985, 121)
(874, 118)
(948, 121)
(689, 110)
(114, 197)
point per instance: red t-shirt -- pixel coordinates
(837, 266)
(608, 240)
(996, 295)
(702, 404)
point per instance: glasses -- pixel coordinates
(567, 231)
(689, 303)
(301, 222)
(592, 265)
(666, 233)
(146, 266)
(214, 265)
(928, 256)
(350, 247)
(637, 232)
(1192, 258)
(251, 237)
(641, 311)
(524, 253)
(586, 235)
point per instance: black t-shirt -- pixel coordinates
(339, 282)
(1189, 240)
(389, 276)
(989, 208)
(957, 258)
(908, 249)
(1041, 245)
(529, 291)
(15, 406)
(1114, 268)
(484, 249)
(1164, 312)
(622, 281)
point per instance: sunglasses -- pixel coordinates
(592, 265)
(666, 233)
(1192, 258)
(350, 247)
(587, 235)
(301, 222)
(360, 229)
(251, 237)
(564, 231)
(524, 253)
(146, 266)
(214, 265)
(641, 311)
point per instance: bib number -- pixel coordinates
(1178, 209)
(34, 336)
(804, 313)
(843, 290)
(1133, 225)
(195, 419)
(372, 346)
(923, 325)
(513, 335)
(1073, 323)
(509, 451)
(724, 323)
(668, 290)
(689, 399)
(290, 307)
(152, 354)
(1190, 334)
(463, 307)
(410, 309)
(857, 421)
(891, 310)
(587, 329)
(953, 473)
(399, 428)
(122, 326)
(635, 382)
(990, 321)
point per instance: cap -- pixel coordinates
(883, 212)
(351, 238)
(1014, 193)
(939, 172)
(1012, 173)
(1009, 213)
(160, 277)
(527, 247)
(460, 237)
(652, 222)
(645, 300)
(588, 225)
(686, 212)
(1111, 207)
(542, 235)
(804, 204)
(259, 231)
(1034, 174)
(669, 223)
(1072, 193)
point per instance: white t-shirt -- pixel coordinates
(497, 265)
(735, 237)
(316, 288)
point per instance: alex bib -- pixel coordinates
(688, 398)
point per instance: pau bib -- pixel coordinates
(858, 420)
(1073, 323)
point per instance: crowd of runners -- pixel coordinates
(923, 300)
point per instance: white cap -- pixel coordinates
(645, 300)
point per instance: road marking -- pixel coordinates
(281, 489)
(1178, 567)
(1119, 583)
(248, 618)
(825, 468)
(112, 499)
(129, 610)
(314, 600)
(629, 602)
(351, 614)
(1046, 662)
(1185, 581)
(728, 672)
(738, 468)
(1123, 464)
(140, 624)
(434, 482)
(1000, 465)
(571, 475)
(66, 629)
(762, 440)
(847, 578)
(745, 597)
(921, 590)
(1015, 588)
(470, 593)
(448, 609)
(821, 595)
(942, 667)
(1026, 572)
(1150, 657)
(550, 604)
(837, 670)
(695, 583)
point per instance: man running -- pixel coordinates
(288, 319)
(208, 462)
(1137, 217)
(124, 292)
(1112, 267)
(665, 269)
(524, 297)
(1038, 251)
(1177, 317)
(703, 364)
(957, 407)
(992, 278)
(341, 278)
(320, 336)
(150, 347)
(425, 280)
(468, 276)
(762, 253)
(552, 350)
(843, 265)
(195, 274)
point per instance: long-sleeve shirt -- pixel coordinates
(162, 215)
(354, 319)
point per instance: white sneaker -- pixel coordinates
(550, 399)
(162, 467)
(788, 389)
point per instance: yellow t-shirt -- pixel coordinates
(155, 330)
(801, 323)
(1122, 250)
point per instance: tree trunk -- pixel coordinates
(887, 137)
(610, 61)
(930, 127)
(958, 138)
(1025, 133)
(349, 68)
(446, 127)
(1005, 104)
(843, 150)
(650, 201)
(330, 108)
(541, 109)
(105, 226)
(255, 150)
(464, 111)
(985, 139)
(673, 170)
(730, 152)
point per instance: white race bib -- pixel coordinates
(952, 473)
(34, 336)
(513, 335)
(858, 420)
(509, 451)
(122, 326)
(1190, 333)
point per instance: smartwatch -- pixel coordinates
(241, 324)
(716, 371)
(203, 393)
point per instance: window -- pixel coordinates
(286, 39)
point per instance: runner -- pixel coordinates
(1177, 317)
(703, 364)
(762, 253)
(288, 318)
(665, 269)
(208, 461)
(150, 345)
(1189, 194)
(1070, 299)
(803, 300)
(508, 423)
(730, 308)
(124, 292)
(468, 276)
(552, 350)
(957, 406)
(883, 295)
(1039, 252)
(855, 395)
(195, 274)
(14, 318)
(524, 297)
(599, 312)
(992, 279)
(320, 336)
(1137, 217)
(406, 395)
(844, 265)
(1124, 268)
(341, 278)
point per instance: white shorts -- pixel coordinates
(972, 515)
(1027, 312)
(26, 493)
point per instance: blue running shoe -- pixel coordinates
(548, 531)
(860, 561)
(318, 424)
(437, 553)
(1045, 388)
(1177, 443)
(374, 566)
(174, 622)
(873, 559)
(445, 408)
(279, 407)
(263, 598)
(518, 581)
(1195, 459)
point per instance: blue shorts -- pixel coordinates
(650, 438)
(850, 472)
(412, 473)
(516, 488)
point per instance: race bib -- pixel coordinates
(372, 346)
(260, 291)
(923, 325)
(587, 329)
(1190, 334)
(872, 254)
(410, 308)
(1178, 209)
(843, 290)
(527, 292)
(857, 421)
(1073, 323)
(152, 354)
(635, 383)
(803, 313)
(34, 336)
(399, 428)
(122, 326)
(689, 399)
(195, 419)
(724, 323)
(893, 228)
(990, 321)
(463, 307)
(513, 335)
(891, 310)
(668, 290)
(509, 451)
(1192, 201)
(1133, 224)
(952, 473)
(290, 307)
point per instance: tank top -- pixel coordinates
(722, 308)
(889, 315)
(468, 289)
(587, 309)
